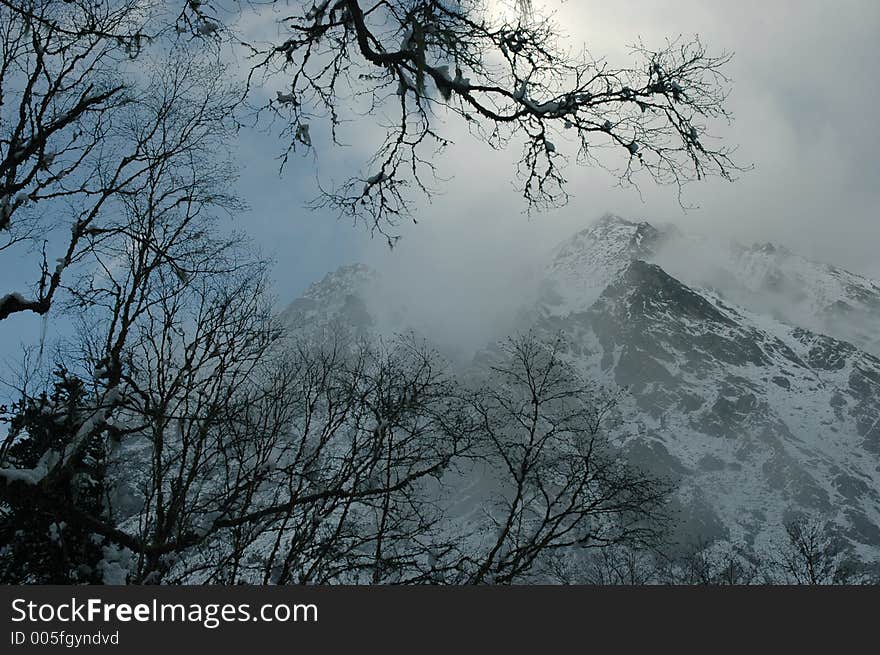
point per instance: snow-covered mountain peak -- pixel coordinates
(749, 369)
(583, 265)
(337, 298)
(756, 416)
(765, 278)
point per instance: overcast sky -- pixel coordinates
(805, 96)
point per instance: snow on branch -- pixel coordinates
(52, 460)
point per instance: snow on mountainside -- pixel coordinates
(337, 298)
(763, 278)
(757, 414)
(772, 280)
(583, 266)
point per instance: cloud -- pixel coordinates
(804, 98)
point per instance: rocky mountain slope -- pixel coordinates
(750, 369)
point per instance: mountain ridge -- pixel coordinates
(756, 417)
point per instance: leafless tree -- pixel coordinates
(609, 566)
(234, 456)
(347, 466)
(159, 224)
(149, 248)
(86, 122)
(814, 555)
(507, 77)
(343, 496)
(706, 563)
(557, 483)
(72, 72)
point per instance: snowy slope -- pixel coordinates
(581, 268)
(735, 392)
(338, 299)
(770, 279)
